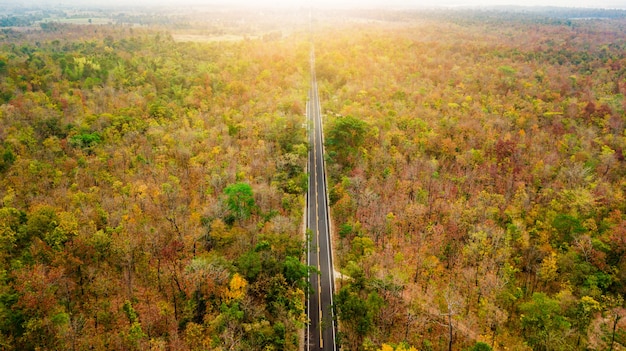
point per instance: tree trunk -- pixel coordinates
(617, 318)
(408, 324)
(450, 331)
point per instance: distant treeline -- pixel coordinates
(18, 21)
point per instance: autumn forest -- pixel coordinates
(153, 178)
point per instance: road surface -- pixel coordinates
(320, 334)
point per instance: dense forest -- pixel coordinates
(478, 181)
(152, 191)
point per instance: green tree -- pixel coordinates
(543, 323)
(240, 200)
(41, 223)
(479, 346)
(582, 314)
(135, 332)
(7, 158)
(249, 265)
(344, 138)
(10, 221)
(295, 271)
(613, 309)
(357, 314)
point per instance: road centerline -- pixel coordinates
(321, 327)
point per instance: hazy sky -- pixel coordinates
(344, 3)
(430, 3)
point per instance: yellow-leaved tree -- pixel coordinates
(236, 288)
(399, 347)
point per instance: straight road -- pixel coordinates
(321, 329)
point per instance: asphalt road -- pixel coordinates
(321, 329)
